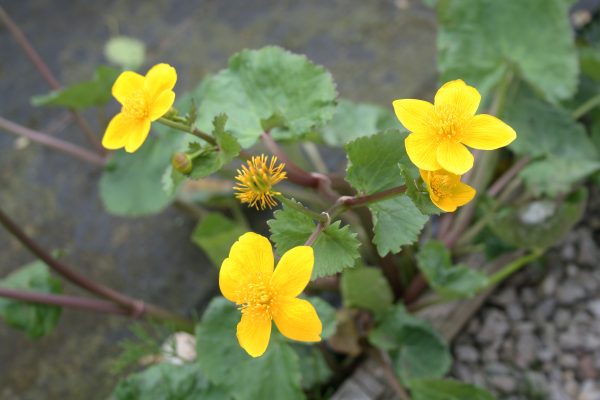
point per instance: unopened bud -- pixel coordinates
(182, 162)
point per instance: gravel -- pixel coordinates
(538, 336)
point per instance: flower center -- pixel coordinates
(135, 106)
(448, 123)
(258, 298)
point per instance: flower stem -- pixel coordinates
(514, 266)
(136, 307)
(505, 179)
(52, 142)
(80, 303)
(587, 106)
(45, 72)
(299, 207)
(188, 129)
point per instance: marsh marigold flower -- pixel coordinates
(440, 131)
(256, 181)
(446, 190)
(263, 295)
(144, 99)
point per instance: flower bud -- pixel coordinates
(182, 162)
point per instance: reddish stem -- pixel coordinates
(50, 141)
(80, 303)
(45, 72)
(508, 176)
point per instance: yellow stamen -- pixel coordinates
(256, 181)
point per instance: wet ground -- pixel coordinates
(376, 50)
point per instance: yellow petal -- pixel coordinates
(119, 131)
(252, 254)
(162, 104)
(422, 150)
(232, 280)
(415, 115)
(253, 334)
(297, 319)
(425, 175)
(487, 132)
(293, 271)
(138, 134)
(454, 157)
(460, 195)
(160, 78)
(126, 85)
(458, 96)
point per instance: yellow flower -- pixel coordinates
(256, 182)
(144, 99)
(439, 131)
(247, 278)
(446, 190)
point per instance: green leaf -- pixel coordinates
(132, 184)
(327, 315)
(315, 370)
(396, 222)
(546, 130)
(448, 281)
(168, 382)
(589, 57)
(370, 169)
(416, 349)
(366, 288)
(36, 320)
(555, 176)
(274, 375)
(539, 224)
(353, 120)
(213, 160)
(126, 52)
(262, 84)
(335, 249)
(479, 40)
(446, 389)
(215, 234)
(95, 92)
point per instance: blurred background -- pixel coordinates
(377, 51)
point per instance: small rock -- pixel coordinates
(568, 252)
(528, 296)
(474, 326)
(572, 270)
(494, 327)
(591, 341)
(543, 311)
(466, 353)
(549, 284)
(570, 292)
(556, 392)
(506, 296)
(567, 360)
(570, 384)
(546, 354)
(504, 383)
(570, 340)
(589, 391)
(562, 317)
(588, 251)
(515, 312)
(594, 307)
(526, 350)
(586, 369)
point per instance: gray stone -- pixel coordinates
(562, 317)
(594, 307)
(495, 326)
(466, 353)
(546, 354)
(544, 310)
(570, 340)
(515, 311)
(504, 383)
(570, 292)
(526, 350)
(567, 360)
(549, 284)
(568, 252)
(588, 251)
(590, 390)
(556, 392)
(507, 296)
(528, 296)
(570, 384)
